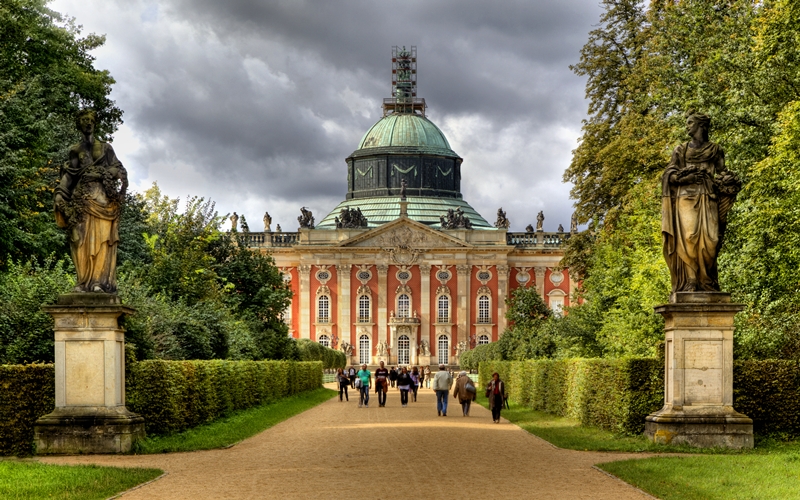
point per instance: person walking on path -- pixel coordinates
(404, 383)
(365, 378)
(382, 384)
(442, 382)
(465, 392)
(428, 377)
(415, 379)
(344, 381)
(393, 376)
(496, 392)
(352, 376)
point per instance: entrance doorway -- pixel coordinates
(403, 350)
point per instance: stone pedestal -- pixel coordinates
(698, 378)
(90, 414)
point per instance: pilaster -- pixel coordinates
(540, 272)
(383, 311)
(304, 272)
(425, 304)
(502, 294)
(463, 304)
(343, 280)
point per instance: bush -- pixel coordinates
(471, 360)
(170, 395)
(769, 392)
(26, 393)
(176, 395)
(314, 351)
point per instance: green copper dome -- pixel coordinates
(406, 130)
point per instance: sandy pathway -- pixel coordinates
(340, 450)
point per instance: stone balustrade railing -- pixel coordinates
(537, 239)
(272, 239)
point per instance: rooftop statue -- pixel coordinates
(350, 218)
(87, 203)
(267, 222)
(455, 219)
(540, 221)
(697, 192)
(573, 223)
(502, 221)
(234, 221)
(560, 228)
(306, 218)
(529, 228)
(403, 186)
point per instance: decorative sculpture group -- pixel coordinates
(306, 218)
(455, 219)
(697, 193)
(346, 348)
(383, 348)
(88, 201)
(502, 221)
(461, 347)
(350, 218)
(424, 348)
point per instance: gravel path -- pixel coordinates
(339, 450)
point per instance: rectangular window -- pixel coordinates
(323, 309)
(364, 309)
(444, 309)
(483, 310)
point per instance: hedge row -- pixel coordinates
(314, 351)
(26, 393)
(616, 394)
(170, 395)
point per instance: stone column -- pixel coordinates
(425, 308)
(539, 271)
(90, 414)
(698, 375)
(383, 311)
(304, 272)
(344, 322)
(502, 294)
(463, 305)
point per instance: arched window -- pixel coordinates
(364, 309)
(444, 350)
(444, 309)
(484, 314)
(483, 339)
(325, 340)
(403, 350)
(364, 351)
(403, 306)
(557, 304)
(323, 309)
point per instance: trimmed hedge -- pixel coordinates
(26, 393)
(616, 394)
(472, 359)
(170, 395)
(314, 351)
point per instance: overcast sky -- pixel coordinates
(256, 104)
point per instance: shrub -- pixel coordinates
(471, 360)
(769, 392)
(26, 393)
(314, 351)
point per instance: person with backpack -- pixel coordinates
(404, 383)
(364, 383)
(393, 376)
(415, 379)
(382, 384)
(465, 392)
(352, 376)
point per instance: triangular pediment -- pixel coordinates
(404, 233)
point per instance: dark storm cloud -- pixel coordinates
(257, 103)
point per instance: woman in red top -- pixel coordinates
(496, 392)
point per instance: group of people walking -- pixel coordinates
(409, 382)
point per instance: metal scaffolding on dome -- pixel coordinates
(404, 83)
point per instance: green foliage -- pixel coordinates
(527, 335)
(309, 350)
(472, 359)
(176, 395)
(768, 391)
(26, 393)
(46, 75)
(26, 332)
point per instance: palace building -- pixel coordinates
(404, 270)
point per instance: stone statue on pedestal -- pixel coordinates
(234, 221)
(306, 218)
(540, 221)
(424, 348)
(383, 348)
(697, 192)
(529, 228)
(267, 223)
(502, 221)
(87, 203)
(573, 223)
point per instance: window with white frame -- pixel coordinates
(484, 313)
(483, 339)
(403, 306)
(323, 309)
(324, 340)
(557, 304)
(443, 315)
(403, 350)
(444, 350)
(364, 351)
(364, 309)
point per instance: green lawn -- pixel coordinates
(23, 480)
(230, 430)
(770, 471)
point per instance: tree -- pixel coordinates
(46, 76)
(526, 337)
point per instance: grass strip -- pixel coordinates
(236, 427)
(704, 477)
(29, 480)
